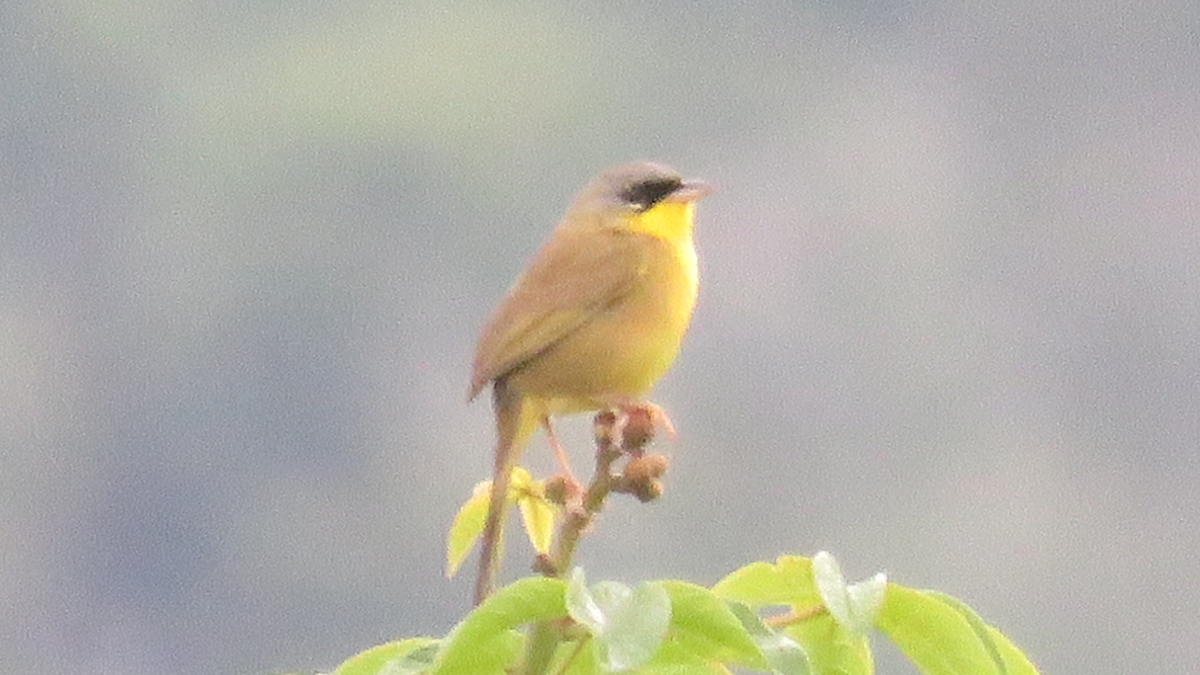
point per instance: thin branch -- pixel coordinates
(795, 616)
(615, 435)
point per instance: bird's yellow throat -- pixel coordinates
(670, 220)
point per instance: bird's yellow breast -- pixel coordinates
(672, 223)
(624, 349)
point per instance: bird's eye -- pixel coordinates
(646, 193)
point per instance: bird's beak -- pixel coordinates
(690, 191)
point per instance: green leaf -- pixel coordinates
(484, 642)
(934, 635)
(465, 529)
(627, 624)
(1008, 659)
(705, 625)
(784, 654)
(392, 658)
(831, 648)
(538, 516)
(787, 582)
(583, 659)
(673, 659)
(581, 606)
(537, 512)
(854, 606)
(1015, 661)
(636, 627)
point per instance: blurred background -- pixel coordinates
(949, 328)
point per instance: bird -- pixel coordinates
(594, 320)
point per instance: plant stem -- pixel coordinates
(544, 638)
(579, 516)
(539, 649)
(794, 616)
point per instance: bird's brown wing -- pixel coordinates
(571, 278)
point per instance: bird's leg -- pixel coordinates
(560, 455)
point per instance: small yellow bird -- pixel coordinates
(593, 322)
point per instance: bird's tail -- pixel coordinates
(516, 419)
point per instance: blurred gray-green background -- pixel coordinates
(949, 328)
